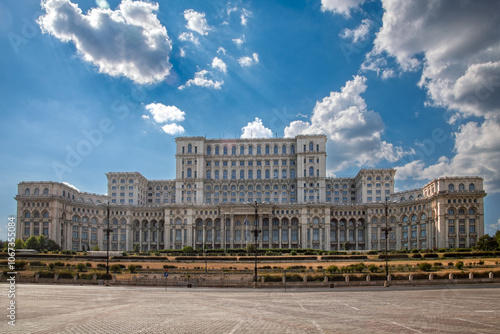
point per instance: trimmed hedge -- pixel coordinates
(393, 256)
(344, 257)
(431, 256)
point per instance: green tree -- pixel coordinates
(20, 244)
(132, 268)
(32, 243)
(373, 268)
(485, 243)
(115, 268)
(52, 245)
(188, 250)
(96, 248)
(497, 236)
(251, 248)
(42, 242)
(459, 265)
(137, 249)
(332, 269)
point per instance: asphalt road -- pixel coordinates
(99, 309)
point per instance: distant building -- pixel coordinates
(212, 200)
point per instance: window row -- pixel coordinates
(250, 150)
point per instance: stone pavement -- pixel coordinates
(100, 309)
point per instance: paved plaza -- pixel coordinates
(100, 309)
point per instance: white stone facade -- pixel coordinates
(219, 185)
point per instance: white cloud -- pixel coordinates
(247, 61)
(476, 150)
(162, 113)
(189, 37)
(71, 186)
(256, 129)
(145, 116)
(173, 129)
(459, 58)
(219, 64)
(196, 22)
(360, 33)
(129, 41)
(354, 133)
(495, 227)
(201, 80)
(244, 15)
(343, 7)
(239, 41)
(182, 52)
(221, 50)
(102, 3)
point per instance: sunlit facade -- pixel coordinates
(224, 188)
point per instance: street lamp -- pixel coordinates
(256, 232)
(386, 231)
(107, 231)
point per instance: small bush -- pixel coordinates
(66, 274)
(132, 268)
(424, 266)
(373, 268)
(116, 268)
(459, 265)
(81, 266)
(88, 265)
(416, 256)
(37, 264)
(59, 264)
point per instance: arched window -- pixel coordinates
(423, 216)
(311, 171)
(45, 214)
(224, 150)
(283, 149)
(451, 212)
(405, 219)
(292, 173)
(216, 175)
(461, 211)
(36, 192)
(27, 215)
(114, 181)
(131, 181)
(250, 149)
(46, 191)
(283, 174)
(233, 175)
(259, 151)
(461, 187)
(233, 150)
(259, 174)
(75, 219)
(250, 174)
(311, 146)
(267, 149)
(267, 174)
(275, 174)
(224, 174)
(472, 212)
(189, 172)
(292, 149)
(242, 174)
(93, 221)
(451, 187)
(275, 149)
(369, 178)
(27, 191)
(190, 148)
(413, 218)
(242, 150)
(217, 150)
(209, 175)
(471, 187)
(209, 150)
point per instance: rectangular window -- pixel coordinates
(275, 236)
(265, 235)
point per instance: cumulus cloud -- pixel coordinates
(343, 7)
(476, 150)
(456, 46)
(189, 37)
(244, 16)
(165, 114)
(360, 33)
(196, 22)
(129, 41)
(201, 80)
(219, 64)
(247, 61)
(239, 41)
(256, 129)
(221, 50)
(162, 113)
(71, 186)
(172, 129)
(353, 131)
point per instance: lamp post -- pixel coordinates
(256, 232)
(386, 231)
(107, 231)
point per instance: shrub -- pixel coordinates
(132, 268)
(294, 278)
(37, 264)
(332, 269)
(20, 265)
(315, 278)
(424, 266)
(459, 265)
(101, 265)
(293, 253)
(416, 256)
(88, 265)
(51, 266)
(116, 268)
(373, 268)
(66, 274)
(45, 274)
(272, 278)
(81, 266)
(431, 256)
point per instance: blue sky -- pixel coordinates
(92, 87)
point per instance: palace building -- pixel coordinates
(225, 188)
